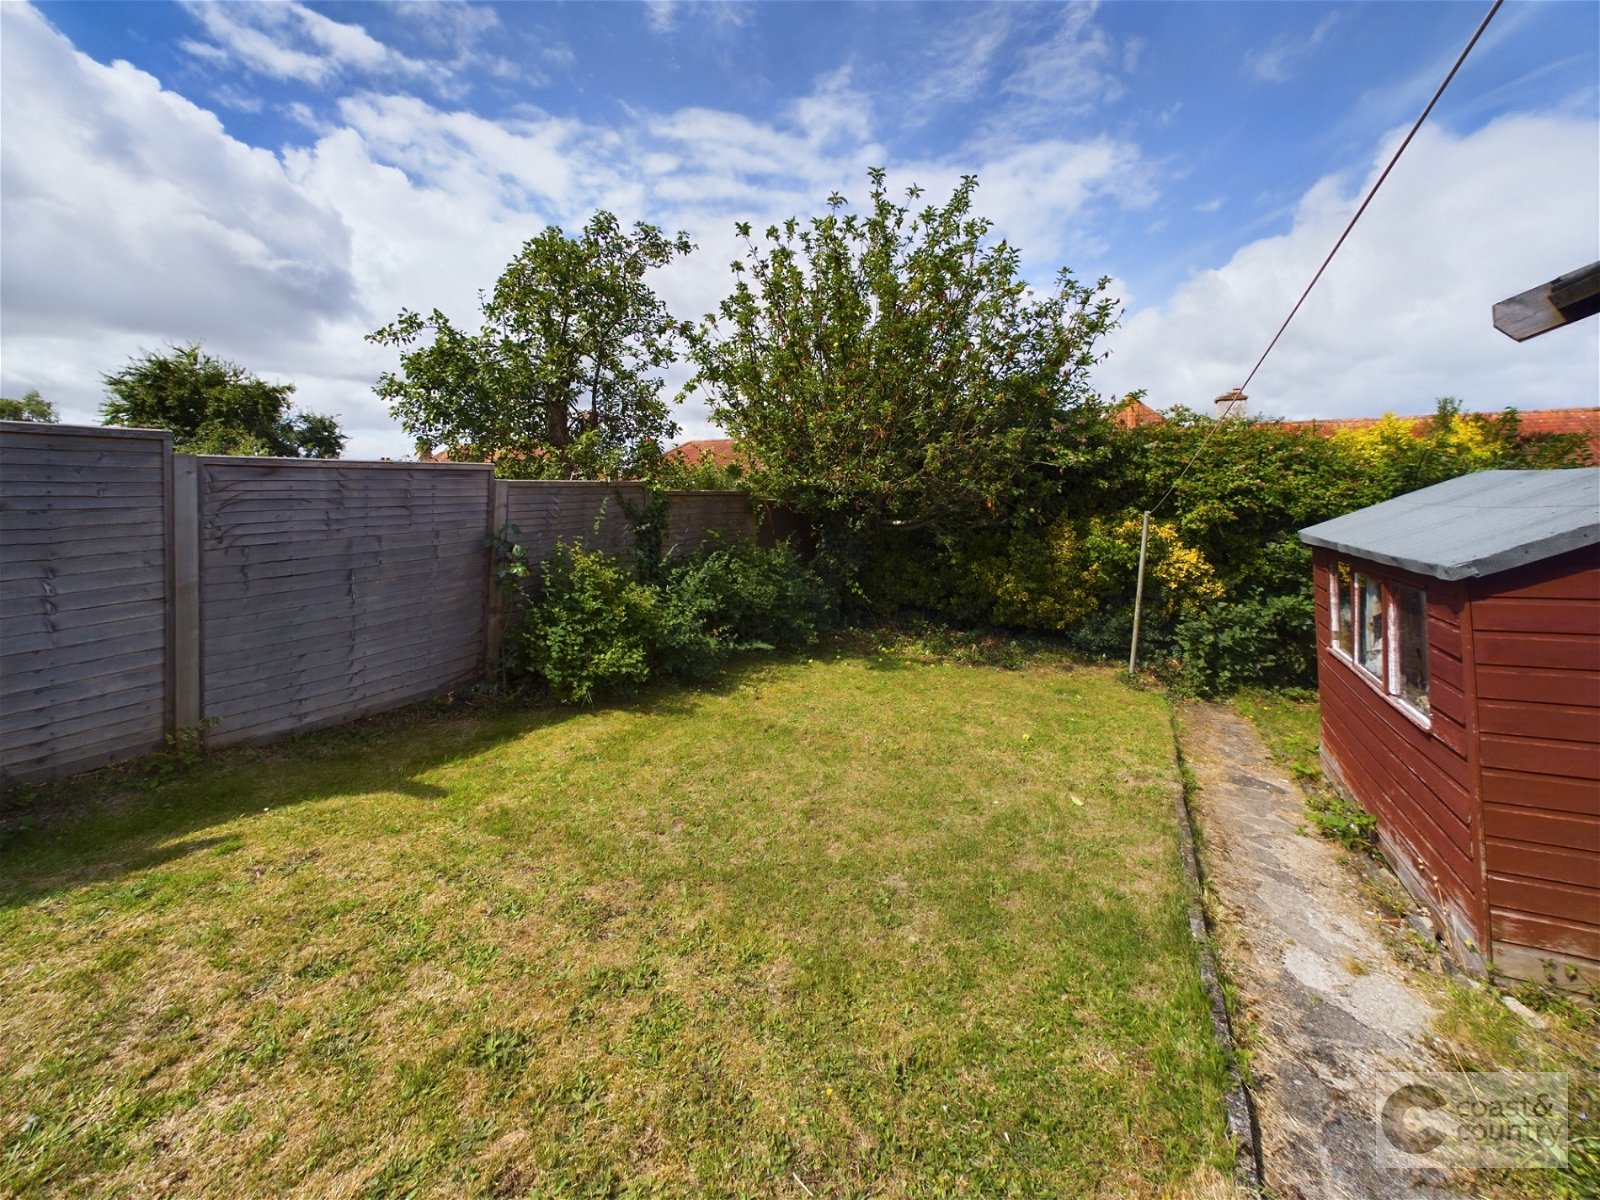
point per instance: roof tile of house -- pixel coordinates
(1134, 413)
(1583, 420)
(717, 451)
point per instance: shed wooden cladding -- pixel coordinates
(1538, 691)
(331, 590)
(1491, 813)
(1418, 782)
(84, 558)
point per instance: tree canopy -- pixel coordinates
(562, 378)
(892, 367)
(32, 407)
(215, 407)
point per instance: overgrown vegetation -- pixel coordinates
(871, 923)
(599, 627)
(891, 368)
(886, 374)
(1228, 584)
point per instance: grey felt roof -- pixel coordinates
(1473, 525)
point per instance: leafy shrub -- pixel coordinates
(593, 631)
(750, 596)
(1265, 639)
(685, 641)
(598, 630)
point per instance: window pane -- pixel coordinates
(1344, 625)
(1413, 603)
(1369, 631)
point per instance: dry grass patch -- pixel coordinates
(837, 923)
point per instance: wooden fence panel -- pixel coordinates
(600, 515)
(693, 518)
(331, 590)
(84, 602)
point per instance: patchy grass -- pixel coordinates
(1290, 723)
(1476, 1031)
(873, 924)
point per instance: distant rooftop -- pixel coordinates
(1583, 420)
(718, 451)
(1472, 525)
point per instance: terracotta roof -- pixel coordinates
(1135, 412)
(716, 451)
(1585, 421)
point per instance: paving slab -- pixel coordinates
(1325, 1007)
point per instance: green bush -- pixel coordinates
(1265, 639)
(750, 597)
(592, 632)
(598, 630)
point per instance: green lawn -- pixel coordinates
(863, 925)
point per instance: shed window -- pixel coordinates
(1412, 682)
(1381, 629)
(1344, 629)
(1371, 625)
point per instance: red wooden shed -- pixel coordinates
(1458, 655)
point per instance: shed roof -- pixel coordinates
(1472, 525)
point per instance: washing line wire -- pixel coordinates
(1371, 192)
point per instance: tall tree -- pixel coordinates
(562, 379)
(32, 407)
(892, 367)
(215, 407)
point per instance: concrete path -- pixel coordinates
(1325, 1006)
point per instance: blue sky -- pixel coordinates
(278, 179)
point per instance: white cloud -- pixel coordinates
(959, 65)
(1402, 316)
(1075, 70)
(237, 99)
(128, 207)
(1275, 62)
(721, 16)
(133, 219)
(287, 40)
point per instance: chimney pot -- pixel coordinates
(1230, 404)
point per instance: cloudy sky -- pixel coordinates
(278, 179)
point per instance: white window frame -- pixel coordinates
(1390, 686)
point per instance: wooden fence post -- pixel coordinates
(187, 701)
(494, 626)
